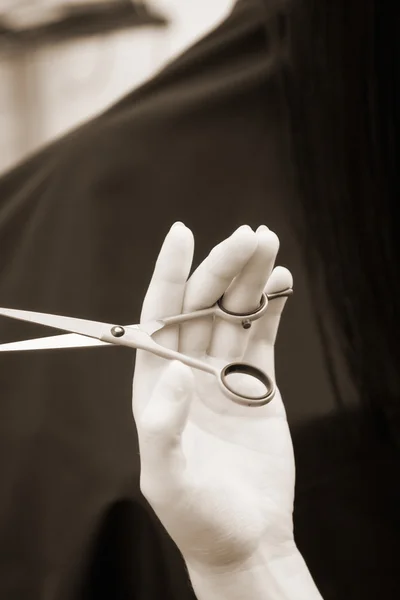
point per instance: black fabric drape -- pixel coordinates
(81, 224)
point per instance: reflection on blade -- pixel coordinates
(70, 340)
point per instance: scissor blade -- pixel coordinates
(92, 329)
(54, 342)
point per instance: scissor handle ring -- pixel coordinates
(247, 369)
(263, 302)
(246, 317)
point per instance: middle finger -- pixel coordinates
(209, 282)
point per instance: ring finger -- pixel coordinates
(229, 340)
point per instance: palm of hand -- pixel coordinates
(237, 480)
(242, 479)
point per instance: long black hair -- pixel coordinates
(341, 82)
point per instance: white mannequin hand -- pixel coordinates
(219, 476)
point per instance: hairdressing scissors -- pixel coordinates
(85, 333)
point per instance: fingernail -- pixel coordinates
(178, 224)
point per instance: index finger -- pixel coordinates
(166, 290)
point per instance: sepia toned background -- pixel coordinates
(206, 142)
(54, 78)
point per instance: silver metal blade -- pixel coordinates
(54, 342)
(93, 329)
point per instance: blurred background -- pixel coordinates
(64, 61)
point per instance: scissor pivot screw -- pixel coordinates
(246, 324)
(118, 331)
